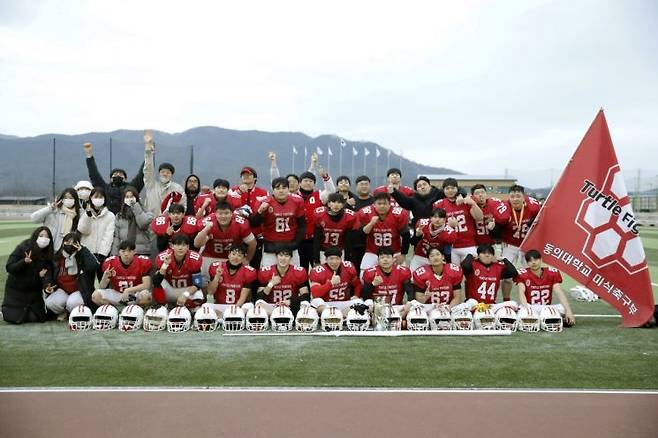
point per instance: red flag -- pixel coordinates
(587, 229)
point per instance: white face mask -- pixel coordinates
(42, 242)
(130, 201)
(68, 202)
(98, 202)
(164, 180)
(84, 194)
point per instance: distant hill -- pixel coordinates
(26, 165)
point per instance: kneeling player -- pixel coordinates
(335, 283)
(437, 283)
(537, 285)
(129, 276)
(484, 274)
(167, 225)
(282, 283)
(431, 233)
(388, 280)
(178, 278)
(232, 280)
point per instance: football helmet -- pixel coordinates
(80, 318)
(505, 318)
(462, 319)
(484, 319)
(233, 319)
(527, 319)
(205, 318)
(357, 321)
(331, 319)
(179, 320)
(256, 319)
(394, 319)
(306, 319)
(550, 319)
(131, 318)
(417, 319)
(281, 318)
(440, 318)
(105, 318)
(155, 319)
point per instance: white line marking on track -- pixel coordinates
(587, 315)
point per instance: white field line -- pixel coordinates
(372, 333)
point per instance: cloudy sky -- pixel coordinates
(471, 85)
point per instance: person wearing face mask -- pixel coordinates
(29, 270)
(60, 216)
(133, 224)
(84, 189)
(158, 188)
(97, 226)
(72, 282)
(118, 180)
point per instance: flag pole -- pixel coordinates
(340, 159)
(353, 162)
(293, 159)
(54, 147)
(364, 159)
(376, 166)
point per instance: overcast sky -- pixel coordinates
(474, 86)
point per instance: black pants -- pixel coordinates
(255, 261)
(306, 253)
(356, 257)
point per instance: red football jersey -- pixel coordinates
(349, 285)
(482, 284)
(385, 233)
(251, 198)
(180, 276)
(333, 230)
(493, 209)
(231, 198)
(220, 240)
(466, 223)
(393, 282)
(433, 238)
(127, 276)
(441, 286)
(405, 190)
(189, 226)
(539, 290)
(311, 203)
(229, 289)
(513, 232)
(281, 220)
(294, 278)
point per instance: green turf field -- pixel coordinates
(597, 353)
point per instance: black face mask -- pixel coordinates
(70, 249)
(117, 180)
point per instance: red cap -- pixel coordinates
(247, 169)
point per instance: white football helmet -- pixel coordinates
(307, 319)
(440, 318)
(80, 318)
(550, 319)
(281, 318)
(131, 318)
(581, 293)
(484, 319)
(155, 319)
(205, 318)
(527, 319)
(357, 322)
(331, 319)
(257, 320)
(105, 318)
(417, 319)
(462, 319)
(179, 320)
(394, 319)
(233, 319)
(506, 318)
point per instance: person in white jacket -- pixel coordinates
(158, 190)
(96, 225)
(60, 216)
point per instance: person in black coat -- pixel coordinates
(119, 181)
(29, 267)
(420, 204)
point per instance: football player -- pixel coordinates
(437, 283)
(484, 274)
(284, 222)
(537, 285)
(178, 277)
(282, 282)
(333, 224)
(233, 280)
(129, 276)
(175, 221)
(334, 282)
(389, 280)
(394, 181)
(206, 203)
(385, 227)
(363, 199)
(495, 216)
(431, 233)
(466, 212)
